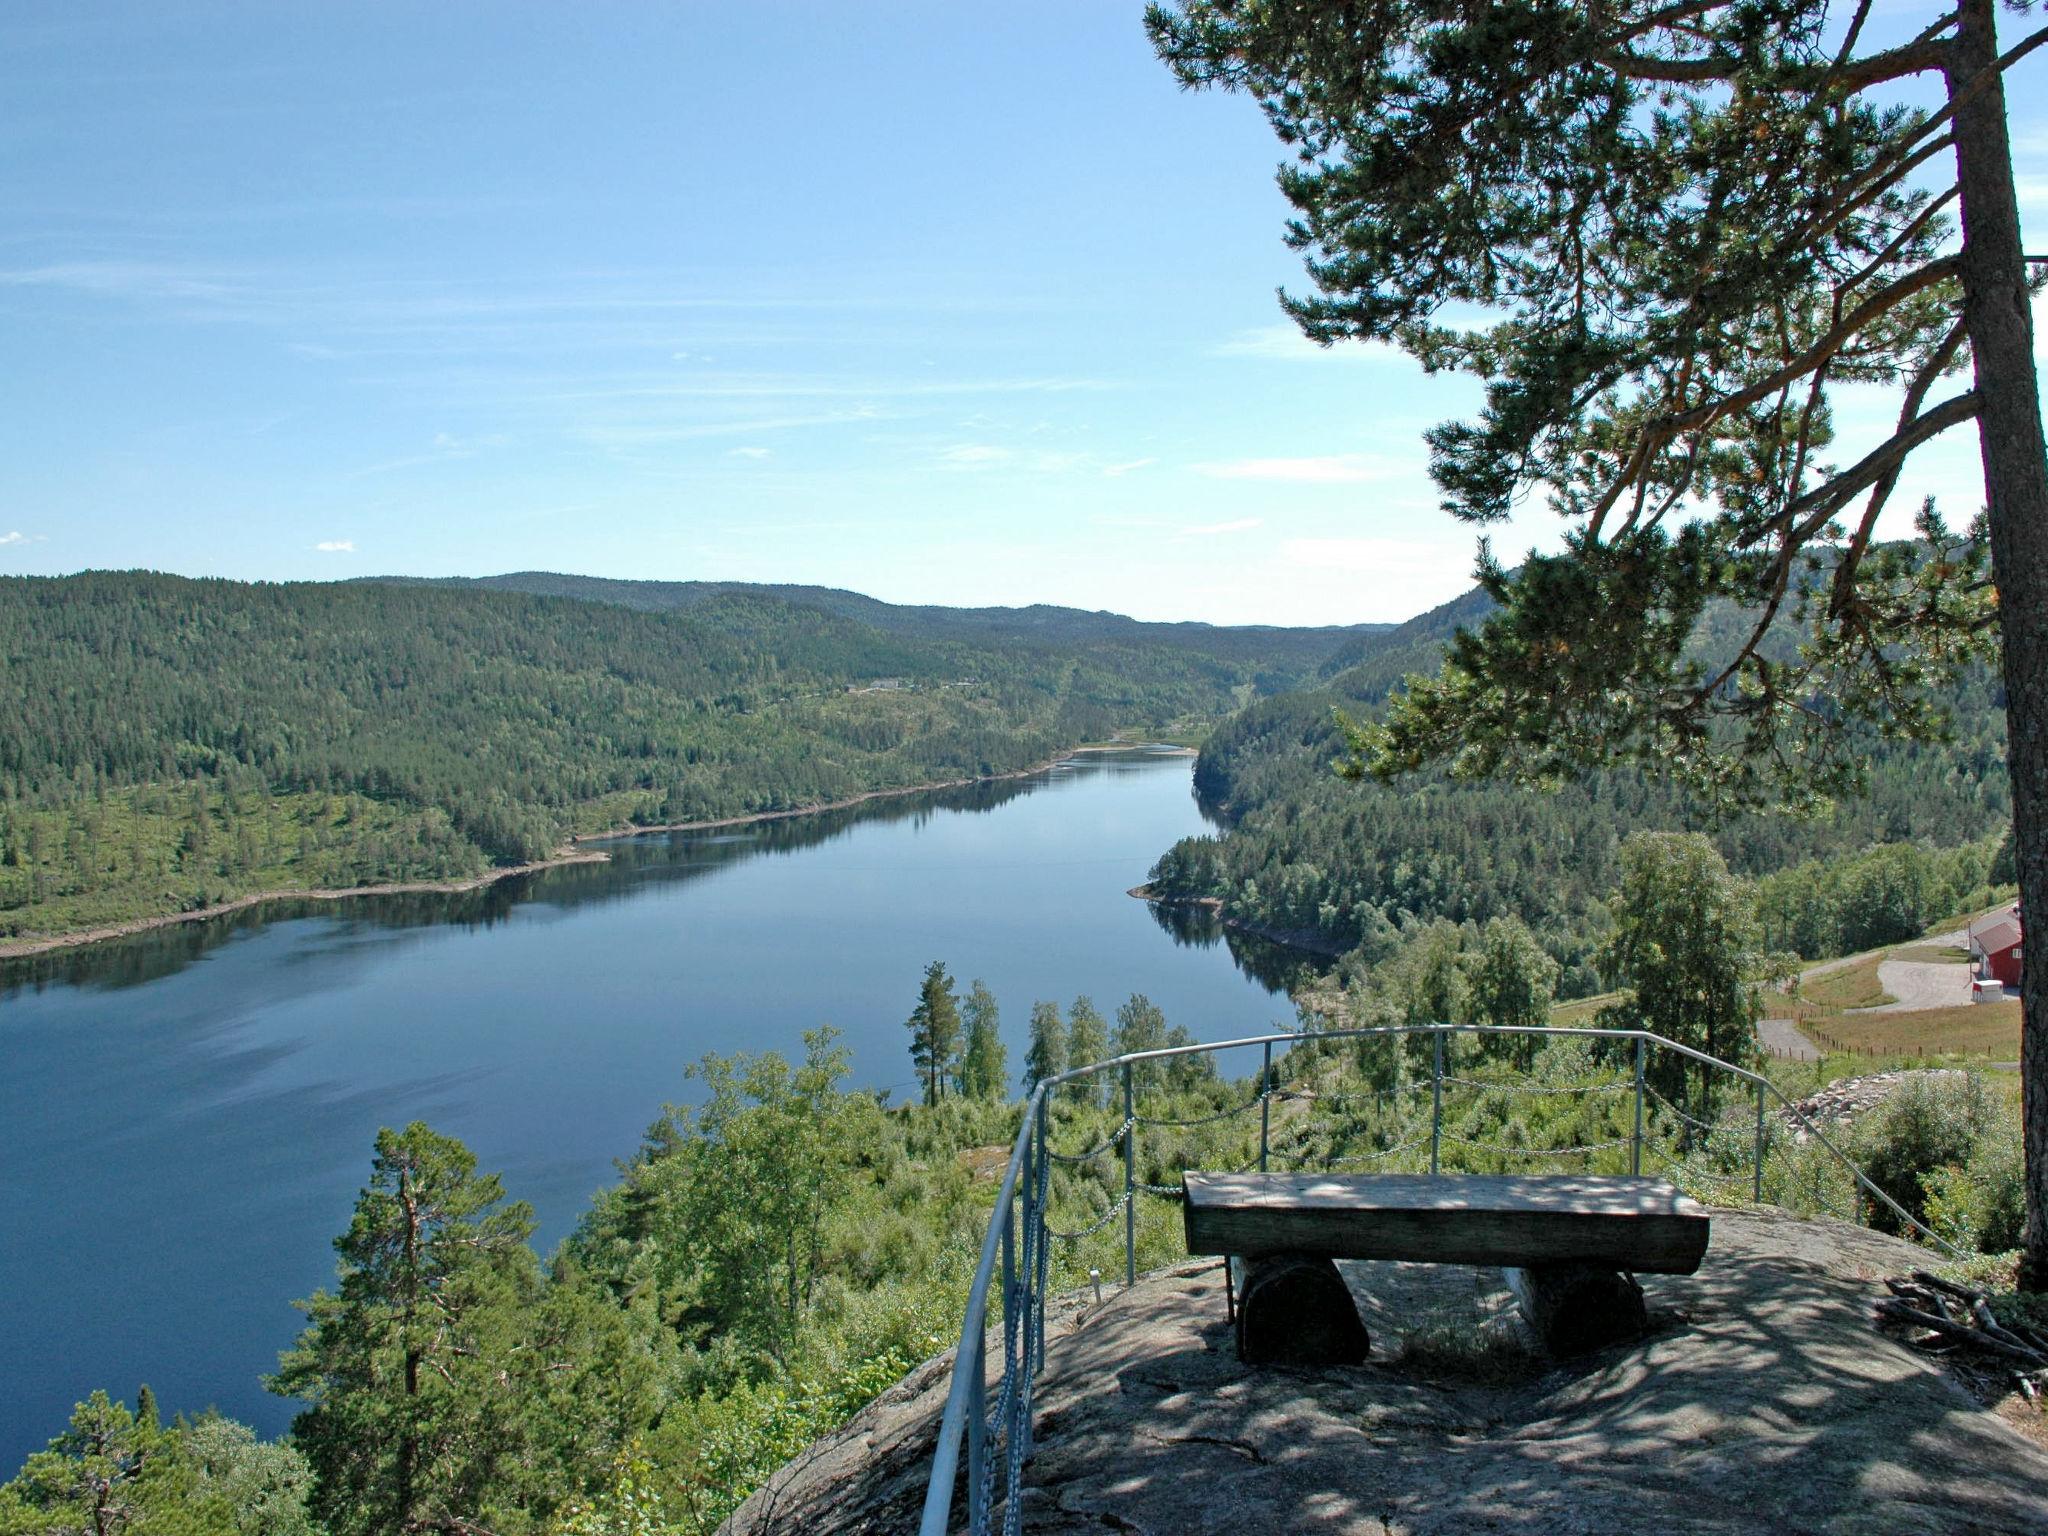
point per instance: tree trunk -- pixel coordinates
(1998, 315)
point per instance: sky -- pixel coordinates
(940, 302)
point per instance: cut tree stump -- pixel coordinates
(1575, 1308)
(1295, 1309)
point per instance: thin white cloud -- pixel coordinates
(746, 453)
(975, 456)
(1285, 343)
(1319, 469)
(336, 546)
(654, 435)
(1127, 466)
(1209, 530)
(16, 536)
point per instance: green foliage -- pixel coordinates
(175, 744)
(1886, 895)
(1046, 1055)
(1947, 1149)
(413, 1363)
(984, 1066)
(1350, 867)
(1687, 946)
(1658, 354)
(114, 1472)
(1088, 1042)
(935, 1031)
(1509, 981)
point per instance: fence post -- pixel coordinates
(1265, 1103)
(1635, 1146)
(1436, 1101)
(1130, 1182)
(1757, 1191)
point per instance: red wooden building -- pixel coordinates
(1995, 946)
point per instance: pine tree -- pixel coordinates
(408, 1363)
(934, 1027)
(1047, 1054)
(1686, 226)
(984, 1065)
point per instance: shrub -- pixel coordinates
(1940, 1146)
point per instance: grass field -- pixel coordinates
(1853, 986)
(1581, 1012)
(1944, 954)
(1990, 1030)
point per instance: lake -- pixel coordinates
(189, 1113)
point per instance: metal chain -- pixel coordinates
(1373, 1157)
(1186, 1125)
(1506, 1151)
(1693, 1120)
(1619, 1086)
(1092, 1229)
(1116, 1140)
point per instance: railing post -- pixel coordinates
(1436, 1102)
(1635, 1146)
(1014, 1343)
(1042, 1262)
(977, 1431)
(1757, 1190)
(1130, 1182)
(1265, 1103)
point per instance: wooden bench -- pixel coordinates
(1570, 1245)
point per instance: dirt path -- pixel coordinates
(1781, 1037)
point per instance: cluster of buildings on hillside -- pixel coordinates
(1995, 952)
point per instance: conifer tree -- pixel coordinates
(935, 1027)
(406, 1363)
(1662, 235)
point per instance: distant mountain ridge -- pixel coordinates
(1310, 648)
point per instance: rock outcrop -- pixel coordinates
(1763, 1399)
(1839, 1105)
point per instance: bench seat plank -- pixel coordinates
(1510, 1220)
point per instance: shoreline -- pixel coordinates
(1307, 944)
(824, 806)
(572, 852)
(22, 949)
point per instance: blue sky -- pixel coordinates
(940, 302)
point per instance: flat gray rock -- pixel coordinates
(1762, 1400)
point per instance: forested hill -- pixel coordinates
(173, 743)
(1348, 866)
(1282, 657)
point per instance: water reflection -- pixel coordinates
(1278, 967)
(631, 862)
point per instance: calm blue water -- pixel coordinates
(188, 1115)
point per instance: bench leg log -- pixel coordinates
(1575, 1308)
(1295, 1309)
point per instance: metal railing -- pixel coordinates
(1015, 1254)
